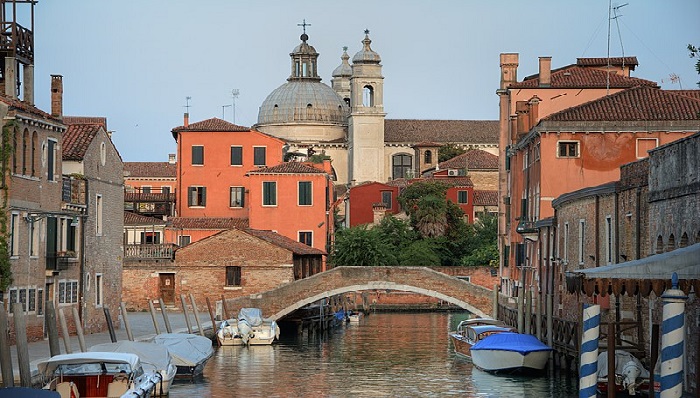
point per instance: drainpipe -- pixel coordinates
(83, 218)
(596, 240)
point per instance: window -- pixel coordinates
(608, 239)
(269, 193)
(40, 302)
(197, 155)
(462, 197)
(581, 240)
(306, 238)
(402, 164)
(237, 197)
(197, 196)
(152, 237)
(566, 242)
(233, 276)
(13, 299)
(259, 156)
(98, 215)
(14, 240)
(387, 199)
(304, 193)
(23, 299)
(236, 156)
(103, 153)
(99, 286)
(644, 145)
(146, 189)
(165, 190)
(184, 240)
(568, 149)
(51, 160)
(368, 96)
(428, 157)
(67, 291)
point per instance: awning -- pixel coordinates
(641, 276)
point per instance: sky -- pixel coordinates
(136, 61)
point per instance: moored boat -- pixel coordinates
(189, 352)
(154, 357)
(630, 375)
(508, 352)
(253, 329)
(98, 374)
(470, 331)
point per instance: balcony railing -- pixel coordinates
(60, 261)
(150, 251)
(74, 191)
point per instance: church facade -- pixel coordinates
(347, 121)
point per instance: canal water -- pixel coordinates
(386, 355)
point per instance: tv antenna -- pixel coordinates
(234, 94)
(612, 14)
(187, 104)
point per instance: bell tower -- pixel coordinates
(366, 158)
(17, 49)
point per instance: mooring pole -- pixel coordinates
(8, 377)
(588, 371)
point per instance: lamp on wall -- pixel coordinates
(74, 221)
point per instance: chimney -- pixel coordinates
(171, 158)
(28, 95)
(187, 119)
(509, 69)
(57, 96)
(521, 109)
(378, 213)
(534, 105)
(545, 71)
(10, 77)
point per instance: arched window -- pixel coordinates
(35, 155)
(401, 165)
(684, 240)
(103, 153)
(15, 151)
(368, 96)
(659, 244)
(25, 152)
(671, 243)
(428, 157)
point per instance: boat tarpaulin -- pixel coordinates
(506, 341)
(251, 315)
(186, 349)
(153, 356)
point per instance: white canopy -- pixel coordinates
(186, 349)
(153, 356)
(47, 367)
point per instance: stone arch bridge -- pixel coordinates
(277, 303)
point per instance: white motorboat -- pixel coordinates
(508, 352)
(154, 357)
(355, 317)
(189, 352)
(630, 375)
(228, 333)
(98, 374)
(471, 331)
(253, 329)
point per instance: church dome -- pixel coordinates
(303, 101)
(344, 69)
(366, 55)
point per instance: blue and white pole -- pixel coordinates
(588, 373)
(672, 329)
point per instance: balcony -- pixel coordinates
(17, 41)
(74, 191)
(153, 202)
(61, 260)
(165, 251)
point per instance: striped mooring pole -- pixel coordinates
(672, 339)
(588, 372)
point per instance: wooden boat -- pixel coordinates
(154, 358)
(189, 352)
(250, 328)
(631, 376)
(355, 317)
(508, 352)
(98, 374)
(470, 331)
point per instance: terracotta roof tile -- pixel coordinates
(603, 61)
(15, 104)
(285, 242)
(212, 125)
(79, 136)
(208, 223)
(441, 131)
(288, 168)
(461, 181)
(150, 169)
(133, 219)
(485, 198)
(102, 121)
(574, 76)
(474, 159)
(639, 103)
(687, 93)
(148, 197)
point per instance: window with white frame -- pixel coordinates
(462, 197)
(237, 197)
(306, 237)
(269, 193)
(304, 193)
(608, 240)
(581, 240)
(236, 156)
(34, 238)
(67, 291)
(387, 199)
(259, 156)
(568, 149)
(197, 196)
(99, 286)
(98, 214)
(184, 240)
(52, 155)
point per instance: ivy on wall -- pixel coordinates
(6, 151)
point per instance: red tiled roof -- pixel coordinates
(15, 104)
(151, 169)
(208, 223)
(574, 76)
(427, 143)
(474, 159)
(687, 93)
(288, 168)
(79, 135)
(133, 219)
(284, 242)
(148, 197)
(211, 125)
(639, 103)
(603, 61)
(461, 181)
(485, 198)
(102, 121)
(441, 131)
(399, 182)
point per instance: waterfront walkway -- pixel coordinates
(142, 329)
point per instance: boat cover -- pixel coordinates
(186, 349)
(506, 341)
(47, 366)
(622, 358)
(153, 356)
(251, 315)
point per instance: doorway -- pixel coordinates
(167, 288)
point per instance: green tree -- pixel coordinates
(420, 253)
(431, 216)
(695, 53)
(448, 151)
(483, 244)
(361, 246)
(397, 233)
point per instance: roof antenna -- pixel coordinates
(612, 10)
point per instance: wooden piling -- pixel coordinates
(163, 311)
(79, 330)
(184, 312)
(64, 331)
(528, 311)
(52, 330)
(153, 316)
(611, 360)
(494, 300)
(110, 325)
(127, 325)
(538, 316)
(25, 375)
(211, 315)
(8, 376)
(224, 308)
(196, 315)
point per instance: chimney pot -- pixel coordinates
(171, 158)
(57, 96)
(187, 119)
(545, 71)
